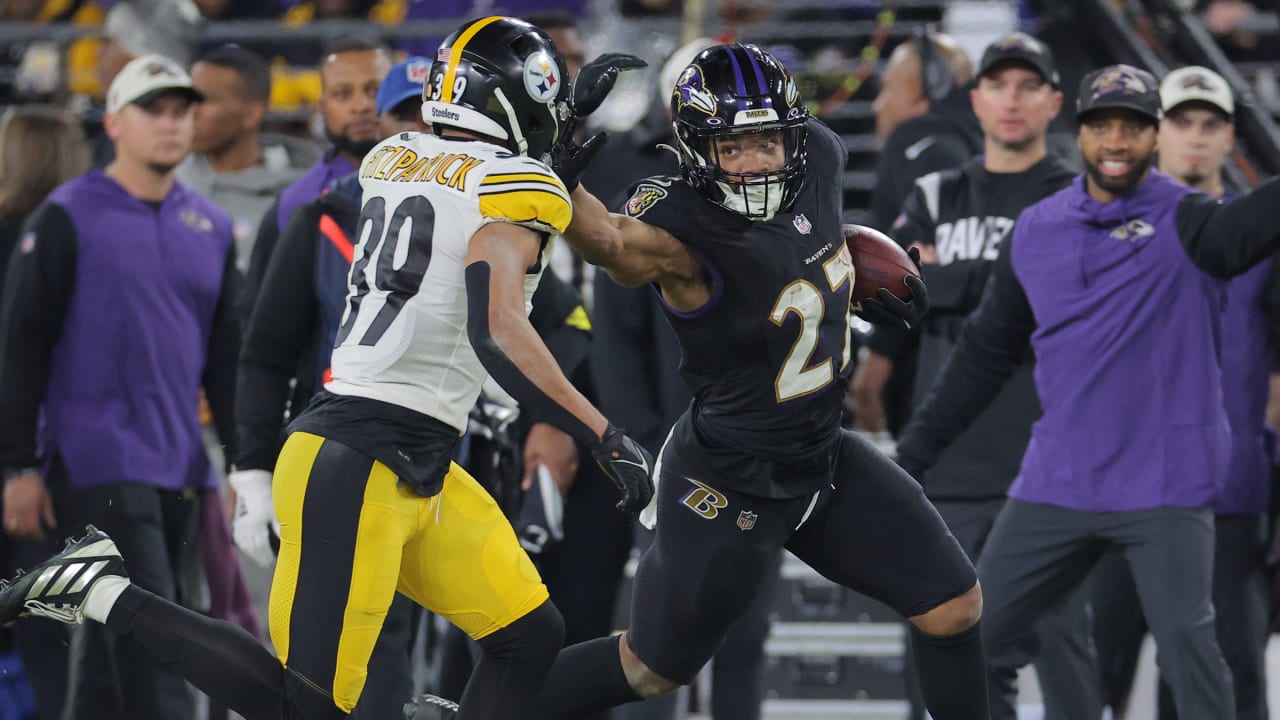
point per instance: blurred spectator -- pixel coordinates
(1116, 282)
(231, 162)
(959, 219)
(1195, 139)
(925, 120)
(118, 382)
(41, 148)
(133, 28)
(351, 70)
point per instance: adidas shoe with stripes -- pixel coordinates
(430, 707)
(57, 587)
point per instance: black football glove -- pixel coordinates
(629, 466)
(889, 309)
(595, 80)
(591, 86)
(569, 159)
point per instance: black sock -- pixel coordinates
(508, 678)
(953, 675)
(587, 678)
(222, 660)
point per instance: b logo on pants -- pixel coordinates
(704, 500)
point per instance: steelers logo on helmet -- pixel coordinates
(541, 77)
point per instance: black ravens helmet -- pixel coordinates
(731, 90)
(501, 77)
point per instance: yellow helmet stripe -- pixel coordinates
(455, 54)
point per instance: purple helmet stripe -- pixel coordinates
(737, 72)
(764, 87)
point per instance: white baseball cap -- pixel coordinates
(1196, 84)
(146, 77)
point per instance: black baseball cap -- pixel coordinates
(1119, 86)
(1023, 49)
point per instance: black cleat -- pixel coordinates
(430, 707)
(57, 587)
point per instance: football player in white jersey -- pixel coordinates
(451, 244)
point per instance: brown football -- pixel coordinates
(878, 262)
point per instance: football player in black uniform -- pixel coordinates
(746, 252)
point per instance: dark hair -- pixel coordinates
(41, 147)
(249, 66)
(354, 43)
(549, 20)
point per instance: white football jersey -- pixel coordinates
(403, 338)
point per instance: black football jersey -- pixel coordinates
(768, 357)
(967, 214)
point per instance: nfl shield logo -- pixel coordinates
(802, 224)
(747, 519)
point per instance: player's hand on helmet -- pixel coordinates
(569, 158)
(591, 86)
(889, 309)
(628, 465)
(255, 518)
(595, 80)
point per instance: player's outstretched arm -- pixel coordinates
(632, 251)
(511, 351)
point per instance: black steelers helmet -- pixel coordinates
(730, 90)
(501, 77)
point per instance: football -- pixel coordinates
(878, 262)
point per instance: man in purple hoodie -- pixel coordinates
(1196, 136)
(118, 310)
(1117, 283)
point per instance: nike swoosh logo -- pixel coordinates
(642, 465)
(914, 149)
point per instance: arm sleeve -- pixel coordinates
(561, 321)
(992, 344)
(276, 336)
(37, 295)
(224, 348)
(268, 235)
(1225, 239)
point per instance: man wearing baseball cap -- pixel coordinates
(1117, 283)
(1195, 137)
(1196, 132)
(120, 314)
(958, 219)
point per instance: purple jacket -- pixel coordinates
(127, 368)
(1126, 342)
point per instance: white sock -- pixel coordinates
(102, 597)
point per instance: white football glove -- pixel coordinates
(255, 515)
